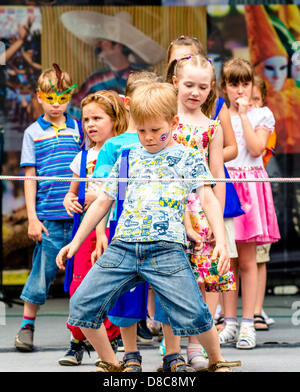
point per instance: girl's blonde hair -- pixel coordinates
(183, 40)
(140, 77)
(194, 46)
(61, 82)
(208, 107)
(156, 101)
(235, 71)
(113, 106)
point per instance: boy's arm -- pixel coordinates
(230, 149)
(102, 241)
(93, 216)
(214, 215)
(35, 226)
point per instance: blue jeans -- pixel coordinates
(44, 268)
(122, 266)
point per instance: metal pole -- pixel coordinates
(1, 221)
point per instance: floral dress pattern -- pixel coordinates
(204, 268)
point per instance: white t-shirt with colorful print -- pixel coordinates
(154, 210)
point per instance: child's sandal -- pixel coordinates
(222, 366)
(132, 363)
(220, 323)
(260, 323)
(176, 363)
(107, 367)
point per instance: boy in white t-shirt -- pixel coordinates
(147, 252)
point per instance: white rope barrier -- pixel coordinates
(209, 181)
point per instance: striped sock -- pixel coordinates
(28, 320)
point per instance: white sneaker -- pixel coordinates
(247, 336)
(229, 333)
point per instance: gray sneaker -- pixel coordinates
(24, 338)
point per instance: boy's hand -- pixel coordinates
(221, 252)
(35, 229)
(65, 253)
(196, 238)
(102, 244)
(72, 206)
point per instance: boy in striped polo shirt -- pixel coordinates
(49, 146)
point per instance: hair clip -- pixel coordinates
(196, 39)
(209, 60)
(182, 37)
(103, 96)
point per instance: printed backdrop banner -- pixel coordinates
(77, 39)
(95, 43)
(92, 45)
(269, 37)
(20, 32)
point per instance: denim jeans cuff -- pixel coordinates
(193, 331)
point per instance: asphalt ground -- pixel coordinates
(277, 351)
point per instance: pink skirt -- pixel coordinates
(259, 223)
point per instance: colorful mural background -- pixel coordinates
(41, 36)
(52, 39)
(268, 36)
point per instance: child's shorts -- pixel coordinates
(124, 265)
(44, 268)
(263, 253)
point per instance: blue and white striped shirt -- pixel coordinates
(51, 150)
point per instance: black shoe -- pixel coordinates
(74, 355)
(117, 344)
(143, 333)
(120, 345)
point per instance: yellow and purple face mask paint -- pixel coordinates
(61, 98)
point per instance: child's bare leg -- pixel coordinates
(129, 338)
(230, 298)
(172, 360)
(99, 340)
(30, 310)
(248, 268)
(193, 339)
(212, 300)
(210, 341)
(172, 342)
